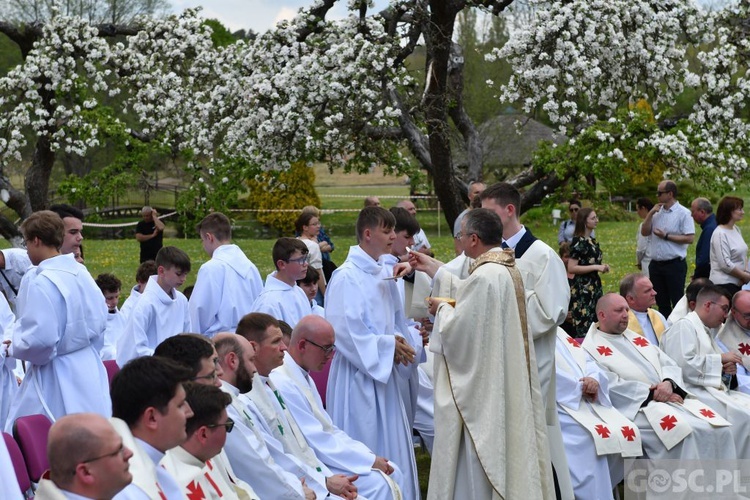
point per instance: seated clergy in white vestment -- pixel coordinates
(735, 336)
(198, 465)
(596, 435)
(646, 386)
(312, 344)
(687, 303)
(642, 319)
(709, 373)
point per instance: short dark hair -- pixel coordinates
(573, 201)
(580, 227)
(253, 326)
(644, 202)
(284, 248)
(311, 276)
(670, 187)
(207, 403)
(712, 292)
(145, 271)
(695, 286)
(404, 221)
(172, 257)
(108, 282)
(45, 225)
(286, 329)
(485, 224)
(186, 348)
(372, 218)
(64, 210)
(727, 205)
(503, 194)
(145, 382)
(304, 220)
(217, 224)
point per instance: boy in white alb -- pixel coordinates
(227, 285)
(110, 287)
(281, 297)
(161, 312)
(142, 274)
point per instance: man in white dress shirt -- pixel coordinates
(87, 459)
(227, 285)
(149, 411)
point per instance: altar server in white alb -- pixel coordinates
(161, 312)
(646, 386)
(110, 286)
(372, 339)
(708, 372)
(142, 274)
(311, 346)
(227, 285)
(281, 297)
(547, 296)
(735, 336)
(8, 381)
(596, 435)
(61, 316)
(196, 463)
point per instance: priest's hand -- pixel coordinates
(424, 263)
(343, 486)
(383, 465)
(590, 388)
(662, 391)
(433, 303)
(729, 362)
(404, 353)
(425, 330)
(675, 398)
(6, 344)
(309, 494)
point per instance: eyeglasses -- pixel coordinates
(659, 193)
(573, 209)
(120, 451)
(461, 234)
(724, 307)
(229, 424)
(300, 260)
(328, 350)
(211, 376)
(745, 316)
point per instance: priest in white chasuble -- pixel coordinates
(646, 386)
(708, 372)
(490, 429)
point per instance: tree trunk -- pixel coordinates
(439, 38)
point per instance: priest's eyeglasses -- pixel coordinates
(724, 307)
(745, 316)
(229, 424)
(120, 451)
(211, 377)
(300, 260)
(327, 349)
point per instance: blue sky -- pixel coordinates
(258, 15)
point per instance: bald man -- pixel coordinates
(311, 346)
(421, 243)
(86, 458)
(735, 336)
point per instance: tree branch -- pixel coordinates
(417, 141)
(319, 13)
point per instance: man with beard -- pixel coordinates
(245, 446)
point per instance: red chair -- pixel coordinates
(19, 466)
(111, 366)
(31, 434)
(321, 379)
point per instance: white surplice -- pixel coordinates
(115, 327)
(732, 337)
(205, 480)
(633, 365)
(130, 302)
(339, 452)
(490, 439)
(363, 396)
(155, 318)
(225, 289)
(681, 309)
(593, 474)
(61, 316)
(17, 263)
(8, 382)
(694, 349)
(250, 457)
(283, 302)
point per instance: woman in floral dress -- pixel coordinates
(585, 263)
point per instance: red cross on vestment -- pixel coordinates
(668, 422)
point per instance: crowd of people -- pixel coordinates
(215, 395)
